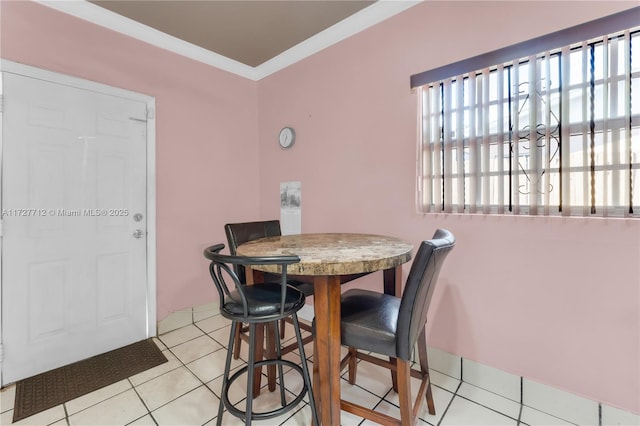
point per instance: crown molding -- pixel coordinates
(105, 18)
(359, 21)
(363, 19)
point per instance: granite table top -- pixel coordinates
(331, 253)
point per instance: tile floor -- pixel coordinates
(184, 391)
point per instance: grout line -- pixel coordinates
(520, 415)
(64, 404)
(600, 414)
(142, 400)
(444, 413)
(489, 408)
(66, 414)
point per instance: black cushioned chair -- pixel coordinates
(391, 326)
(239, 233)
(258, 305)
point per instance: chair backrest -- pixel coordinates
(238, 233)
(226, 280)
(418, 289)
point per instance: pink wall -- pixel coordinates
(206, 134)
(556, 300)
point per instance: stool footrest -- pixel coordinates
(268, 414)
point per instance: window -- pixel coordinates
(554, 132)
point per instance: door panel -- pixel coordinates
(74, 277)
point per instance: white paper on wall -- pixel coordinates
(290, 208)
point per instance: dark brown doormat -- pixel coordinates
(46, 390)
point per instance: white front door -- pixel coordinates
(74, 225)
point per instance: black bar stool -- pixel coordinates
(257, 305)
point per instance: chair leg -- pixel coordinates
(316, 376)
(225, 378)
(282, 323)
(394, 374)
(276, 336)
(250, 369)
(424, 368)
(305, 371)
(404, 392)
(353, 365)
(256, 337)
(272, 334)
(237, 341)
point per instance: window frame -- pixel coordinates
(505, 139)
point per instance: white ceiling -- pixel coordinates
(249, 38)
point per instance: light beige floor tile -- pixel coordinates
(301, 416)
(6, 417)
(119, 410)
(46, 417)
(213, 323)
(205, 311)
(464, 412)
(532, 417)
(490, 400)
(180, 335)
(159, 344)
(269, 401)
(373, 378)
(238, 389)
(175, 321)
(357, 395)
(7, 398)
(193, 408)
(221, 336)
(391, 410)
(93, 398)
(146, 420)
(294, 381)
(159, 391)
(441, 399)
(211, 366)
(348, 419)
(195, 348)
(419, 422)
(442, 380)
(171, 364)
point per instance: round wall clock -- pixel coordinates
(287, 137)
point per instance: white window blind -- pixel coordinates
(557, 132)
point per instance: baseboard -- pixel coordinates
(558, 403)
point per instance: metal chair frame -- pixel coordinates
(290, 302)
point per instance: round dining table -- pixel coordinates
(328, 258)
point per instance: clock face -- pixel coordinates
(287, 137)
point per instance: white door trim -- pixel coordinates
(29, 71)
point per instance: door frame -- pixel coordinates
(54, 77)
